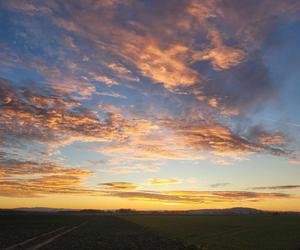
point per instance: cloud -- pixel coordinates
(186, 67)
(258, 134)
(218, 185)
(151, 168)
(35, 179)
(57, 119)
(95, 163)
(163, 64)
(198, 197)
(164, 54)
(157, 181)
(41, 186)
(74, 86)
(36, 116)
(51, 151)
(283, 187)
(118, 186)
(294, 160)
(251, 22)
(275, 139)
(221, 56)
(111, 94)
(217, 138)
(27, 7)
(186, 139)
(123, 72)
(108, 81)
(166, 67)
(10, 168)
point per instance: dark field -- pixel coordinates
(253, 232)
(70, 232)
(54, 231)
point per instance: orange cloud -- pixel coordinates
(221, 56)
(123, 72)
(216, 138)
(167, 66)
(74, 86)
(183, 139)
(108, 81)
(55, 119)
(41, 186)
(10, 168)
(59, 120)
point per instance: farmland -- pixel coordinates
(46, 231)
(148, 231)
(227, 231)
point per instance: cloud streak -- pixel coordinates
(198, 197)
(283, 187)
(36, 179)
(118, 186)
(157, 181)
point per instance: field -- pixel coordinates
(46, 231)
(227, 232)
(155, 232)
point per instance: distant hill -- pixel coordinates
(225, 211)
(234, 210)
(43, 209)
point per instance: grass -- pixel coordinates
(17, 228)
(157, 232)
(225, 231)
(105, 232)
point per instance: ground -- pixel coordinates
(112, 232)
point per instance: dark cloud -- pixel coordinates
(241, 90)
(218, 185)
(277, 187)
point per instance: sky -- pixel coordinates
(148, 104)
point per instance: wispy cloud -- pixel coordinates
(157, 181)
(118, 186)
(198, 197)
(283, 187)
(220, 185)
(30, 179)
(221, 56)
(132, 169)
